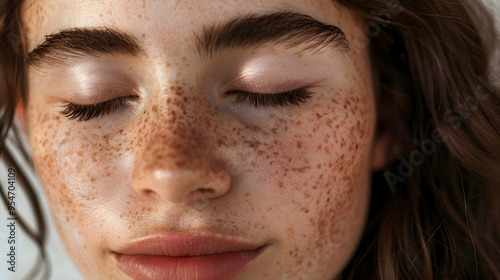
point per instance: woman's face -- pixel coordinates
(178, 174)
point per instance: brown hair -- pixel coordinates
(443, 219)
(12, 90)
(435, 211)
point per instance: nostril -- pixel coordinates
(207, 191)
(149, 193)
(200, 198)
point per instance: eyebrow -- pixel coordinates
(287, 28)
(78, 42)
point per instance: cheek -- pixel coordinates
(76, 170)
(318, 176)
(48, 145)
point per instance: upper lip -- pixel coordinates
(185, 245)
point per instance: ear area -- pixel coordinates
(384, 150)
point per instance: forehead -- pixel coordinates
(160, 20)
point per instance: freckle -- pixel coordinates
(299, 145)
(80, 153)
(281, 185)
(329, 122)
(247, 194)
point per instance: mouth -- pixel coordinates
(186, 257)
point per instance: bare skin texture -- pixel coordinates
(184, 157)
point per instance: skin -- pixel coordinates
(184, 160)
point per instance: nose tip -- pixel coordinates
(182, 186)
(190, 186)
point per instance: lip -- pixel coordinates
(187, 256)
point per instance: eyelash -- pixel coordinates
(294, 97)
(83, 113)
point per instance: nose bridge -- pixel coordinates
(173, 144)
(177, 133)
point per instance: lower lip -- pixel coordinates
(209, 267)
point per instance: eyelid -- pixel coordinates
(266, 73)
(102, 93)
(98, 79)
(264, 85)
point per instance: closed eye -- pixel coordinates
(83, 113)
(294, 97)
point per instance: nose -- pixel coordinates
(176, 165)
